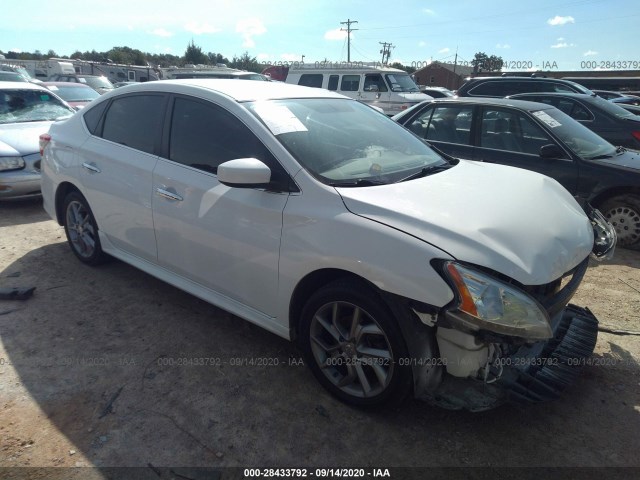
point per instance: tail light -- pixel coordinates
(45, 138)
(636, 135)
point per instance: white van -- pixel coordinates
(389, 89)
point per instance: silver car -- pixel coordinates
(26, 111)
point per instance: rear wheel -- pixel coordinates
(623, 212)
(353, 345)
(82, 230)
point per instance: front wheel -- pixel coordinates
(353, 345)
(623, 212)
(82, 230)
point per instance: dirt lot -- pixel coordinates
(86, 380)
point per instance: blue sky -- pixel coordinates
(565, 32)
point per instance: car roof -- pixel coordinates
(21, 86)
(240, 91)
(503, 102)
(526, 79)
(66, 84)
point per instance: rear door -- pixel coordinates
(225, 239)
(510, 137)
(117, 164)
(447, 127)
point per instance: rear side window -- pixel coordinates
(502, 88)
(311, 80)
(92, 117)
(333, 82)
(135, 121)
(350, 83)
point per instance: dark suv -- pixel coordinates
(503, 86)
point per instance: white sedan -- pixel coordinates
(396, 270)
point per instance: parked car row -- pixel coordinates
(397, 270)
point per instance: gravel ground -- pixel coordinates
(89, 377)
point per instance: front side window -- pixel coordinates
(513, 131)
(135, 121)
(343, 142)
(350, 83)
(374, 82)
(204, 135)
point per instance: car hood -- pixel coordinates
(516, 222)
(415, 97)
(21, 138)
(626, 160)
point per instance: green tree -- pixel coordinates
(215, 58)
(194, 55)
(246, 62)
(484, 63)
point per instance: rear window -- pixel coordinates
(311, 80)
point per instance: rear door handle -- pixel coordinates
(91, 167)
(168, 195)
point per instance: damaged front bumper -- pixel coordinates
(483, 364)
(532, 373)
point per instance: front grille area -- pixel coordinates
(554, 296)
(566, 353)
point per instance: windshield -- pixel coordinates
(613, 109)
(74, 93)
(343, 142)
(577, 137)
(18, 106)
(96, 82)
(399, 82)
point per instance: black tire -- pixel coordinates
(623, 212)
(359, 364)
(82, 230)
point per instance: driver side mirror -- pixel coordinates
(551, 151)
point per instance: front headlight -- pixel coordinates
(11, 163)
(491, 304)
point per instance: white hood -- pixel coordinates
(519, 223)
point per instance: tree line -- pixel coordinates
(194, 55)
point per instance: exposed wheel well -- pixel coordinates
(602, 197)
(63, 190)
(308, 285)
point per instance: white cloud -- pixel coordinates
(336, 34)
(263, 57)
(589, 53)
(248, 28)
(422, 44)
(200, 28)
(428, 11)
(563, 45)
(505, 45)
(561, 39)
(558, 20)
(444, 50)
(161, 32)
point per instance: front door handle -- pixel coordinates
(91, 167)
(168, 195)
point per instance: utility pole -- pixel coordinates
(349, 30)
(386, 51)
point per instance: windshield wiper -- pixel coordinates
(361, 182)
(620, 150)
(426, 171)
(602, 157)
